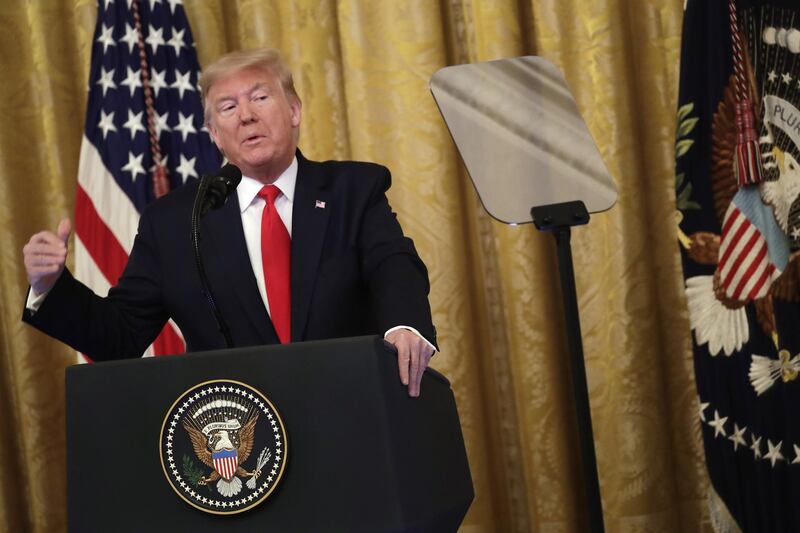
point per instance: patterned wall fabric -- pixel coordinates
(362, 68)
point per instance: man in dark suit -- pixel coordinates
(302, 250)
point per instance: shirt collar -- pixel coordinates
(249, 187)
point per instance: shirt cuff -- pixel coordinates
(35, 302)
(415, 332)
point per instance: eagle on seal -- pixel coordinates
(233, 445)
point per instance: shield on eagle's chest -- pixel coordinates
(225, 463)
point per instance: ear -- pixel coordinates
(295, 109)
(215, 137)
(213, 132)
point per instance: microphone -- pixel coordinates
(212, 193)
(215, 188)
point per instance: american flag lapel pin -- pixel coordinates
(319, 204)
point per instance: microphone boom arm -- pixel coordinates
(198, 210)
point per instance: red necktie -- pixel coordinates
(276, 261)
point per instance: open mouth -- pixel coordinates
(252, 139)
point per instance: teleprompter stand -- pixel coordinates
(521, 136)
(557, 219)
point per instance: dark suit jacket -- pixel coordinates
(352, 273)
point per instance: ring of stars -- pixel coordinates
(269, 472)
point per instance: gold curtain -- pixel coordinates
(361, 68)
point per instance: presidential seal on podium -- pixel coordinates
(223, 447)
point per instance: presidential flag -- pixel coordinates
(738, 200)
(143, 135)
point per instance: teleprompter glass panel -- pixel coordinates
(522, 139)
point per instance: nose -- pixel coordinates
(246, 114)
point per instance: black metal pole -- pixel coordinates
(557, 219)
(580, 389)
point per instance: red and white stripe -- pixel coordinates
(745, 269)
(105, 227)
(226, 466)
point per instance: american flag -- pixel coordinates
(754, 251)
(143, 135)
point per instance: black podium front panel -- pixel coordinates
(362, 455)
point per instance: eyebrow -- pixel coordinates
(251, 90)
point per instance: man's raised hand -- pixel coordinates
(45, 256)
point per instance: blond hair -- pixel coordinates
(265, 59)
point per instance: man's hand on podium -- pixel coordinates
(413, 355)
(45, 255)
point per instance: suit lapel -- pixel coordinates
(309, 221)
(226, 242)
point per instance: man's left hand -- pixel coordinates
(413, 355)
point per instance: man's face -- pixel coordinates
(254, 123)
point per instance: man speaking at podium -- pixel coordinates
(301, 250)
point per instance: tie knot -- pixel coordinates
(269, 193)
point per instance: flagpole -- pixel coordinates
(558, 219)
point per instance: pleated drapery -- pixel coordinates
(362, 71)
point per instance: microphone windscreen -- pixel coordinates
(231, 172)
(220, 185)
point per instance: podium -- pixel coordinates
(361, 455)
